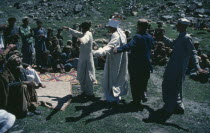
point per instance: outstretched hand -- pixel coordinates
(202, 71)
(115, 50)
(65, 27)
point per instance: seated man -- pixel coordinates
(18, 96)
(56, 56)
(29, 71)
(69, 56)
(204, 64)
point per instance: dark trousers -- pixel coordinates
(17, 102)
(139, 76)
(27, 50)
(39, 58)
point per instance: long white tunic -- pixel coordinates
(85, 66)
(115, 80)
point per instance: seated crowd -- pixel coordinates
(161, 54)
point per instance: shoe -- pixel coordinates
(24, 114)
(83, 94)
(159, 116)
(135, 103)
(36, 112)
(29, 114)
(179, 111)
(164, 116)
(91, 98)
(144, 99)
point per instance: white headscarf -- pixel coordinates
(115, 24)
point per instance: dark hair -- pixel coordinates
(143, 23)
(86, 25)
(39, 22)
(25, 19)
(12, 19)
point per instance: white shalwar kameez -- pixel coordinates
(115, 80)
(85, 68)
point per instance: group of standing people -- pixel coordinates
(119, 66)
(40, 42)
(12, 35)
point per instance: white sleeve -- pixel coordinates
(108, 48)
(76, 33)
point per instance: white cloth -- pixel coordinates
(113, 23)
(85, 68)
(115, 79)
(32, 75)
(6, 121)
(1, 41)
(122, 35)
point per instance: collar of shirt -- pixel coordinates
(182, 34)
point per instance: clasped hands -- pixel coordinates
(115, 50)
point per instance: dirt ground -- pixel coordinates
(97, 116)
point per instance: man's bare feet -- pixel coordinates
(41, 85)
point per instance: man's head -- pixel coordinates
(113, 25)
(69, 42)
(14, 52)
(49, 30)
(59, 31)
(11, 21)
(196, 45)
(67, 48)
(127, 33)
(25, 21)
(142, 25)
(55, 41)
(14, 61)
(182, 25)
(85, 26)
(160, 24)
(39, 23)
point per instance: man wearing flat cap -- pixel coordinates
(27, 41)
(174, 75)
(11, 34)
(139, 61)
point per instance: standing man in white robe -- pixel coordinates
(115, 80)
(85, 68)
(175, 72)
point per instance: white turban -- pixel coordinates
(115, 24)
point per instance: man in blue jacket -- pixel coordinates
(139, 63)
